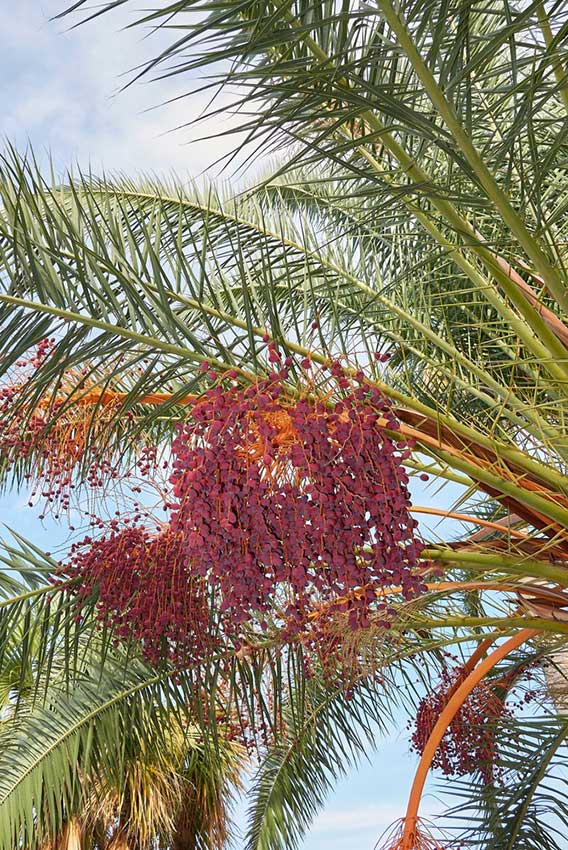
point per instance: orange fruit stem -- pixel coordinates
(456, 700)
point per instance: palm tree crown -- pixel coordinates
(411, 243)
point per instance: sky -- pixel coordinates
(63, 91)
(61, 94)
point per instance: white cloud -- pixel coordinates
(61, 93)
(361, 826)
(371, 816)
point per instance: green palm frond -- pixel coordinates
(331, 733)
(41, 636)
(331, 723)
(347, 80)
(74, 735)
(527, 808)
(421, 212)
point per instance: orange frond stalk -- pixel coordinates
(420, 509)
(104, 397)
(553, 597)
(409, 839)
(554, 323)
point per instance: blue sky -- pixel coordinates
(60, 94)
(61, 91)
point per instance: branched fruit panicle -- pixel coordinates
(306, 494)
(469, 743)
(146, 591)
(280, 506)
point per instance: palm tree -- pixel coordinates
(419, 212)
(83, 765)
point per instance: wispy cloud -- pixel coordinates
(366, 817)
(61, 92)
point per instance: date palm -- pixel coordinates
(418, 210)
(96, 753)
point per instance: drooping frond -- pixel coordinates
(327, 731)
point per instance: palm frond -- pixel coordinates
(528, 807)
(327, 731)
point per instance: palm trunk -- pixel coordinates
(72, 836)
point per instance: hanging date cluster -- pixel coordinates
(146, 591)
(294, 501)
(277, 505)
